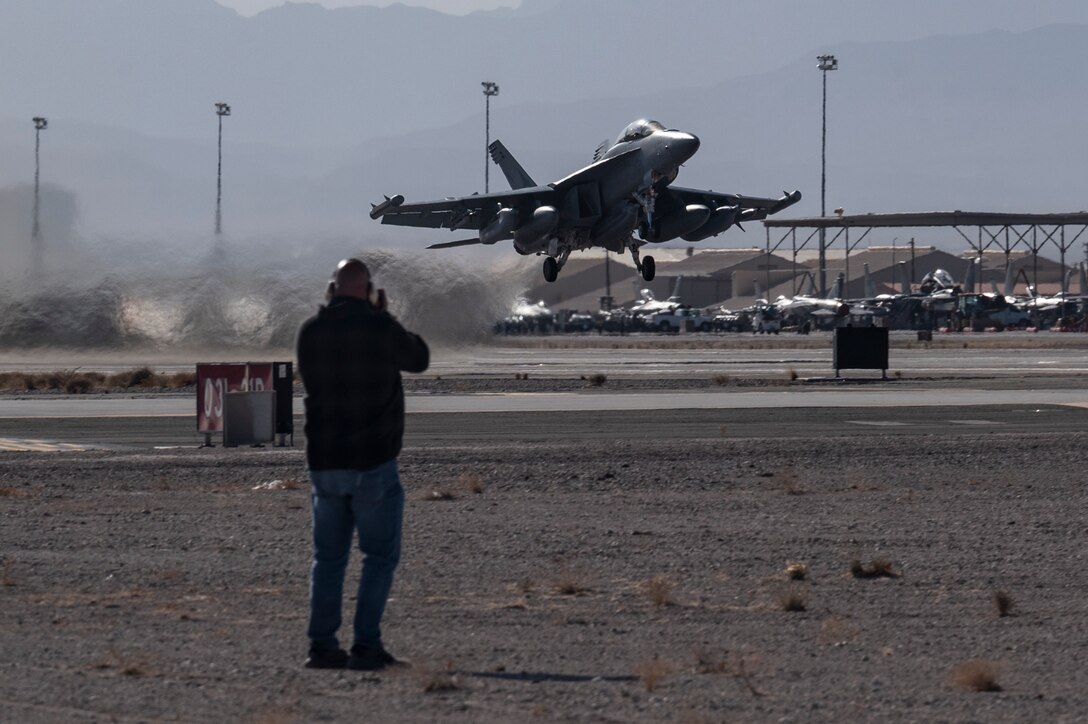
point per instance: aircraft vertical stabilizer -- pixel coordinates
(837, 290)
(1083, 280)
(969, 277)
(904, 281)
(1010, 280)
(513, 171)
(870, 288)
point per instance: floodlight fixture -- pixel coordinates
(40, 123)
(490, 89)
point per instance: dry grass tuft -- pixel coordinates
(837, 631)
(570, 583)
(791, 599)
(526, 585)
(13, 493)
(790, 484)
(78, 386)
(75, 382)
(438, 494)
(471, 482)
(6, 579)
(596, 380)
(124, 665)
(796, 571)
(659, 591)
(735, 667)
(877, 568)
(653, 672)
(977, 675)
(1002, 603)
(791, 374)
(722, 380)
(434, 680)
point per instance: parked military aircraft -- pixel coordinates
(626, 189)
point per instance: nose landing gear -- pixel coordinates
(645, 266)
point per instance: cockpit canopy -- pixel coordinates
(639, 129)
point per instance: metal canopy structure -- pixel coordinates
(1001, 231)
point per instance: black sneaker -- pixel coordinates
(364, 658)
(320, 658)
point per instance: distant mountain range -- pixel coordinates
(333, 108)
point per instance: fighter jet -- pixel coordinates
(627, 189)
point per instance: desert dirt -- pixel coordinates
(623, 580)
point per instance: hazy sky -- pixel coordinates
(455, 7)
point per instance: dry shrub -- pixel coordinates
(877, 568)
(653, 672)
(139, 377)
(471, 482)
(570, 583)
(977, 675)
(438, 494)
(722, 380)
(597, 380)
(735, 666)
(1002, 603)
(791, 374)
(526, 585)
(796, 571)
(659, 591)
(6, 579)
(836, 631)
(180, 379)
(791, 599)
(791, 485)
(433, 680)
(124, 665)
(13, 493)
(78, 386)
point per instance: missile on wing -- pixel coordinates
(376, 210)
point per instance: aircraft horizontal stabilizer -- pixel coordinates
(451, 244)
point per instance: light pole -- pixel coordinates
(827, 62)
(221, 110)
(490, 89)
(40, 124)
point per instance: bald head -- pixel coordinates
(352, 279)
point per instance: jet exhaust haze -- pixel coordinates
(177, 296)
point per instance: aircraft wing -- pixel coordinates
(752, 208)
(461, 212)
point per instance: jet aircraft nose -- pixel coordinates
(680, 147)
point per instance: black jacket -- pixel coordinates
(350, 357)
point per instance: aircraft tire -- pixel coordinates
(649, 268)
(551, 269)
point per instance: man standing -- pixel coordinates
(350, 356)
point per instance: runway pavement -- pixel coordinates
(532, 423)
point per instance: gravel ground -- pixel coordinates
(588, 581)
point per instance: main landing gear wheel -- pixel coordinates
(551, 269)
(648, 268)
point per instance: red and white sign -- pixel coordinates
(214, 381)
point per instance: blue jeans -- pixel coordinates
(372, 502)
